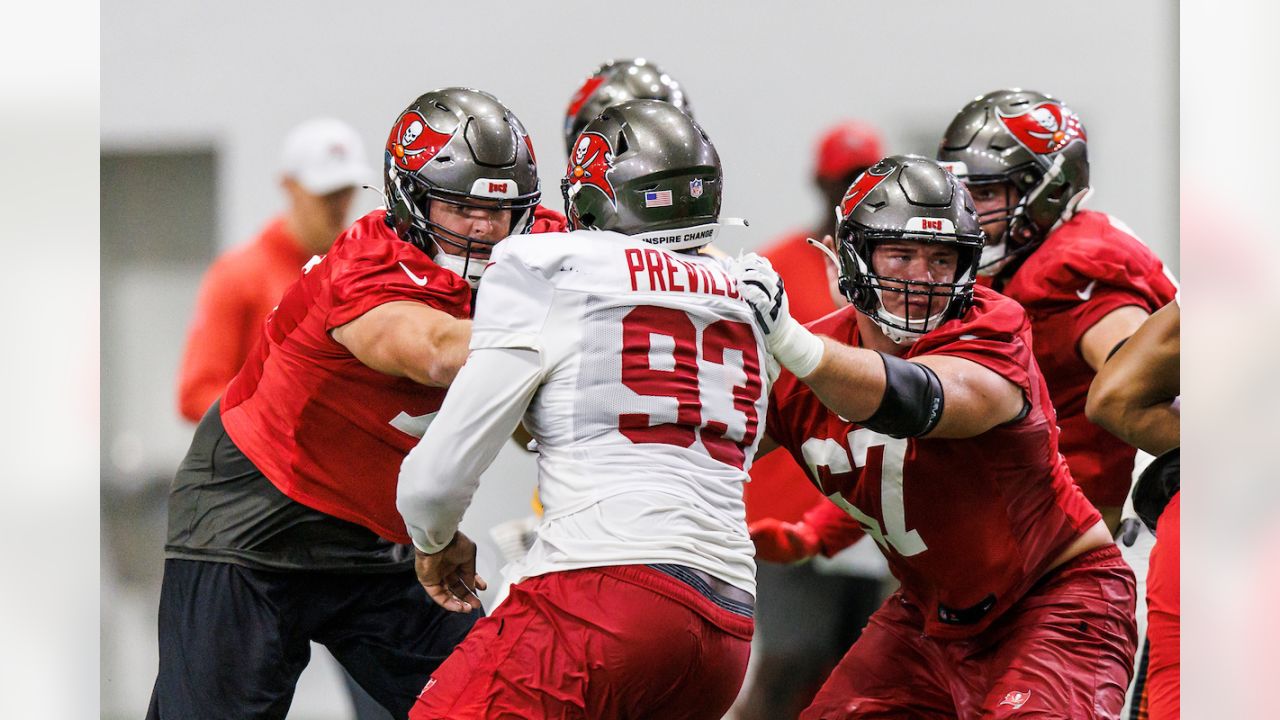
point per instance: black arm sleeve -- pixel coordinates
(912, 403)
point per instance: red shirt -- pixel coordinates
(967, 525)
(237, 293)
(1085, 269)
(547, 221)
(779, 488)
(314, 419)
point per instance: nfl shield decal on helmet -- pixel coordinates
(590, 164)
(413, 142)
(695, 188)
(1046, 128)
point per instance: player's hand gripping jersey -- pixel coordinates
(967, 525)
(327, 430)
(648, 408)
(1087, 268)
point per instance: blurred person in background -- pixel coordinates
(322, 164)
(282, 521)
(1136, 396)
(1085, 279)
(636, 598)
(1014, 599)
(791, 660)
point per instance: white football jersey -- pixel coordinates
(651, 404)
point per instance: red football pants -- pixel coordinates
(1164, 612)
(1065, 650)
(608, 642)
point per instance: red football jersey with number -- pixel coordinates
(327, 430)
(967, 525)
(1088, 267)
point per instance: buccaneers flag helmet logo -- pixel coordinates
(413, 143)
(862, 187)
(1046, 128)
(590, 164)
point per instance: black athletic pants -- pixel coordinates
(233, 640)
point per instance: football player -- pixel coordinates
(1086, 281)
(283, 528)
(614, 83)
(1135, 396)
(637, 367)
(923, 415)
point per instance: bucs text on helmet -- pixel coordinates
(645, 168)
(1032, 142)
(616, 82)
(463, 147)
(907, 198)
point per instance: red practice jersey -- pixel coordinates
(967, 525)
(778, 487)
(1085, 269)
(327, 430)
(547, 221)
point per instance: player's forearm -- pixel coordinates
(435, 357)
(835, 529)
(408, 339)
(439, 477)
(848, 380)
(1155, 429)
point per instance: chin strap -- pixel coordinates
(826, 250)
(459, 265)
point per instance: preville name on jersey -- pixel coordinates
(655, 271)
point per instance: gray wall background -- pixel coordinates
(231, 78)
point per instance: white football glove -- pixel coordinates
(794, 347)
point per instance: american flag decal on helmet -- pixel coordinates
(657, 198)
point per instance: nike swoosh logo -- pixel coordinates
(419, 281)
(1087, 292)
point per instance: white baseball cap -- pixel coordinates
(324, 155)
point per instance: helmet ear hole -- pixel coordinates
(621, 146)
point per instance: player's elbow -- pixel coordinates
(439, 354)
(187, 408)
(1105, 406)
